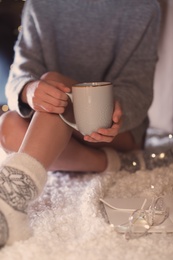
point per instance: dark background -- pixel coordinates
(10, 20)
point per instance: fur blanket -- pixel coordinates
(69, 222)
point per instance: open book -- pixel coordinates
(119, 210)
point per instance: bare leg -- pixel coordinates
(46, 142)
(46, 137)
(49, 140)
(41, 143)
(50, 143)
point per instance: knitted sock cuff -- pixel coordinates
(113, 160)
(29, 166)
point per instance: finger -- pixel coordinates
(112, 132)
(117, 113)
(52, 91)
(118, 124)
(53, 101)
(44, 90)
(48, 108)
(58, 85)
(40, 105)
(95, 138)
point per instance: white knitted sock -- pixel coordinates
(22, 179)
(113, 160)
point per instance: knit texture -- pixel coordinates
(100, 40)
(22, 179)
(70, 223)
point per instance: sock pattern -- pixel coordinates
(16, 188)
(22, 179)
(4, 229)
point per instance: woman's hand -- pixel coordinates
(107, 134)
(46, 95)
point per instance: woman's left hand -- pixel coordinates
(107, 134)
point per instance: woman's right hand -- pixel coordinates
(46, 95)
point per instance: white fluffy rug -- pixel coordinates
(70, 223)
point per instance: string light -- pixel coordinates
(134, 163)
(153, 155)
(4, 108)
(162, 155)
(19, 28)
(147, 159)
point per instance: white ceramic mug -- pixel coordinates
(93, 105)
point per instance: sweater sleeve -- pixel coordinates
(28, 64)
(137, 57)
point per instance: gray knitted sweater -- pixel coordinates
(90, 40)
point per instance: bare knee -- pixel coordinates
(12, 130)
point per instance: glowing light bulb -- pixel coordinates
(162, 155)
(19, 28)
(134, 163)
(4, 108)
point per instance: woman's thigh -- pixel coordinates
(12, 130)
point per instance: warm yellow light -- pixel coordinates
(19, 28)
(134, 163)
(162, 155)
(170, 136)
(4, 108)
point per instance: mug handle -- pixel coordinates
(65, 120)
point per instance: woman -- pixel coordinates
(61, 43)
